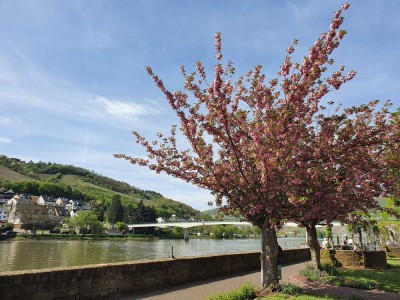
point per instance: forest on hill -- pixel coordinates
(58, 180)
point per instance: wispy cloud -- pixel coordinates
(124, 110)
(4, 140)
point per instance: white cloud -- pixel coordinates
(4, 140)
(123, 110)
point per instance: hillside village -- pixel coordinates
(46, 196)
(45, 211)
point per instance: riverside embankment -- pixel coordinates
(108, 280)
(38, 254)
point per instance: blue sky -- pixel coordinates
(73, 84)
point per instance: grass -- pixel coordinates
(299, 297)
(246, 291)
(394, 262)
(385, 279)
(382, 279)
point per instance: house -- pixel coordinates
(61, 211)
(62, 201)
(23, 197)
(46, 200)
(31, 215)
(75, 205)
(3, 215)
(11, 208)
(5, 196)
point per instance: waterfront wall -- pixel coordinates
(351, 258)
(107, 280)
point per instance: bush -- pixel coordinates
(6, 227)
(55, 230)
(311, 274)
(330, 269)
(288, 289)
(338, 281)
(245, 292)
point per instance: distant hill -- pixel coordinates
(215, 214)
(78, 183)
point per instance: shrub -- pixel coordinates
(291, 289)
(6, 227)
(333, 280)
(288, 289)
(329, 268)
(245, 292)
(55, 230)
(311, 274)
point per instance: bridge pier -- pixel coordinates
(186, 234)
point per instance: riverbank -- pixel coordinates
(77, 237)
(55, 236)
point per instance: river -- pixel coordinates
(31, 254)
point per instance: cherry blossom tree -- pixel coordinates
(393, 155)
(246, 134)
(340, 169)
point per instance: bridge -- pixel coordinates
(187, 225)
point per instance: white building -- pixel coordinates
(46, 200)
(62, 201)
(75, 205)
(3, 215)
(11, 208)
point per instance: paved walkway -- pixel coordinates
(202, 289)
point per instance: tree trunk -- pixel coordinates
(269, 256)
(330, 237)
(360, 237)
(314, 248)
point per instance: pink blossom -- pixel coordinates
(345, 6)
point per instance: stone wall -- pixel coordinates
(351, 258)
(394, 251)
(295, 255)
(106, 280)
(374, 259)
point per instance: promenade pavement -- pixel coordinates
(202, 289)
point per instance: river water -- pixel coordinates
(30, 254)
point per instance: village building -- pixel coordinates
(3, 215)
(62, 201)
(46, 200)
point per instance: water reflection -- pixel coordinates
(25, 255)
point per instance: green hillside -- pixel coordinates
(78, 183)
(216, 214)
